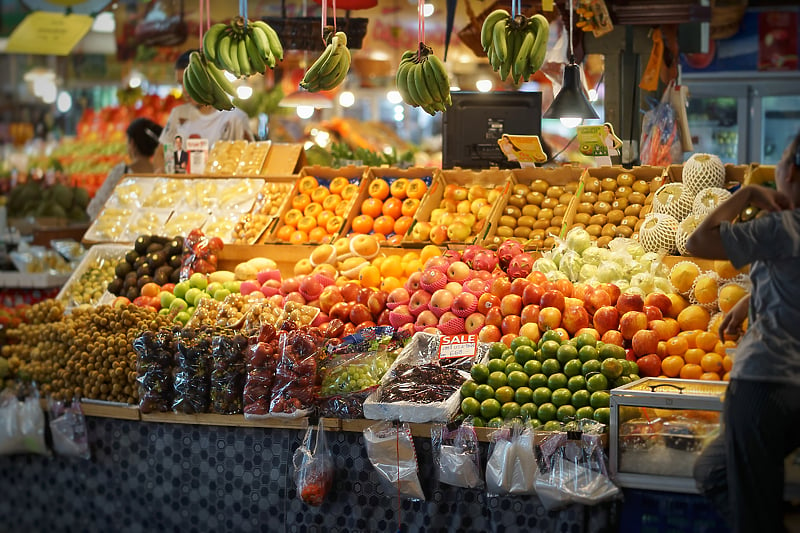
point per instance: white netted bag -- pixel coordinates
(682, 276)
(667, 200)
(685, 228)
(705, 290)
(709, 199)
(658, 233)
(702, 171)
(731, 291)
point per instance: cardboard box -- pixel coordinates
(734, 174)
(283, 159)
(760, 174)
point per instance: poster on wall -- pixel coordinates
(777, 40)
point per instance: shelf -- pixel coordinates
(22, 280)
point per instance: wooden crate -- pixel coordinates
(760, 174)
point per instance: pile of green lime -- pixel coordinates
(546, 383)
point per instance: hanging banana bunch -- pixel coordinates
(515, 46)
(242, 47)
(330, 68)
(422, 80)
(206, 84)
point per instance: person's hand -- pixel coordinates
(731, 326)
(768, 199)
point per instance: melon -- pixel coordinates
(667, 201)
(704, 291)
(709, 199)
(685, 228)
(658, 233)
(729, 294)
(682, 276)
(702, 171)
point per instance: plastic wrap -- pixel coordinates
(511, 468)
(199, 254)
(21, 424)
(313, 469)
(456, 455)
(192, 372)
(228, 374)
(391, 451)
(295, 387)
(154, 364)
(263, 353)
(68, 429)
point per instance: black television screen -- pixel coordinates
(475, 121)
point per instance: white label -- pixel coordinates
(198, 155)
(452, 346)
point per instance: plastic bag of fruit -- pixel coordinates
(390, 449)
(456, 455)
(154, 364)
(262, 356)
(228, 373)
(199, 254)
(295, 387)
(313, 468)
(192, 372)
(68, 429)
(22, 423)
(511, 468)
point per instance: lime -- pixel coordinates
(506, 354)
(539, 356)
(490, 408)
(552, 425)
(611, 368)
(514, 367)
(496, 365)
(478, 422)
(584, 412)
(510, 358)
(496, 350)
(479, 373)
(600, 399)
(550, 349)
(572, 368)
(495, 422)
(523, 354)
(634, 370)
(497, 379)
(587, 353)
(528, 411)
(580, 398)
(551, 366)
(523, 395)
(534, 423)
(614, 351)
(468, 389)
(620, 381)
(484, 392)
(590, 367)
(504, 394)
(565, 413)
(520, 341)
(546, 412)
(596, 382)
(602, 415)
(566, 352)
(576, 383)
(557, 381)
(585, 339)
(561, 397)
(532, 367)
(551, 335)
(541, 395)
(537, 380)
(510, 410)
(470, 406)
(517, 379)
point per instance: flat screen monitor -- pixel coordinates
(475, 121)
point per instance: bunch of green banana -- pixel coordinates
(330, 68)
(242, 47)
(206, 84)
(515, 46)
(422, 80)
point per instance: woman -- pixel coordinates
(142, 135)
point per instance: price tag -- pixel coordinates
(48, 33)
(453, 346)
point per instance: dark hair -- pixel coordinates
(144, 133)
(183, 60)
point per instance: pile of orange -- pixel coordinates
(696, 354)
(389, 209)
(317, 212)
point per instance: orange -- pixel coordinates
(298, 237)
(301, 201)
(378, 189)
(412, 266)
(711, 362)
(372, 207)
(150, 289)
(416, 189)
(399, 188)
(334, 224)
(324, 217)
(677, 346)
(691, 371)
(719, 348)
(384, 224)
(341, 208)
(317, 234)
(694, 317)
(710, 376)
(313, 210)
(727, 363)
(392, 265)
(369, 276)
(430, 250)
(392, 207)
(726, 376)
(729, 344)
(331, 201)
(706, 340)
(409, 207)
(306, 224)
(380, 237)
(690, 336)
(350, 190)
(410, 256)
(395, 240)
(338, 184)
(671, 366)
(319, 194)
(285, 232)
(694, 355)
(307, 184)
(363, 224)
(292, 217)
(390, 283)
(402, 224)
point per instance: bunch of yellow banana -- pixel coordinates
(242, 47)
(206, 84)
(330, 68)
(422, 80)
(515, 46)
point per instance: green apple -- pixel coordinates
(213, 287)
(181, 288)
(178, 305)
(202, 296)
(182, 317)
(190, 310)
(191, 295)
(221, 294)
(198, 280)
(163, 311)
(166, 299)
(232, 286)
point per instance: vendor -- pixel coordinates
(194, 120)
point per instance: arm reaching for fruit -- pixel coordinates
(731, 326)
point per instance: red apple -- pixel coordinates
(362, 296)
(365, 324)
(277, 300)
(494, 317)
(530, 314)
(564, 286)
(629, 355)
(432, 280)
(549, 318)
(290, 285)
(660, 300)
(629, 301)
(441, 301)
(652, 312)
(341, 311)
(330, 296)
(631, 322)
(552, 298)
(532, 294)
(511, 324)
(350, 291)
(537, 277)
(575, 317)
(612, 291)
(399, 316)
(295, 297)
(511, 304)
(310, 288)
(580, 290)
(450, 324)
(383, 318)
(474, 322)
(437, 262)
(398, 296)
(649, 365)
(661, 329)
(377, 302)
(464, 304)
(519, 285)
(349, 329)
(412, 283)
(595, 299)
(507, 338)
(500, 286)
(406, 330)
(613, 336)
(605, 318)
(490, 334)
(562, 333)
(485, 275)
(476, 286)
(530, 330)
(419, 301)
(458, 271)
(644, 341)
(426, 319)
(487, 301)
(359, 313)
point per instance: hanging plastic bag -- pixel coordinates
(294, 388)
(391, 451)
(313, 469)
(262, 358)
(68, 429)
(500, 463)
(193, 372)
(154, 362)
(22, 424)
(512, 463)
(661, 138)
(228, 374)
(456, 455)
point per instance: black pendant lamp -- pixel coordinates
(571, 104)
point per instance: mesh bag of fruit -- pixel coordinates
(228, 373)
(294, 389)
(313, 468)
(154, 362)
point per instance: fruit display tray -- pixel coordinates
(98, 252)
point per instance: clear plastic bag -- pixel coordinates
(22, 424)
(199, 254)
(228, 374)
(192, 372)
(68, 429)
(262, 358)
(295, 388)
(313, 469)
(390, 449)
(511, 468)
(456, 455)
(154, 363)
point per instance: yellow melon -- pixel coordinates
(730, 294)
(682, 276)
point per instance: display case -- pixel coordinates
(659, 426)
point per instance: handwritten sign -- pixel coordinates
(48, 33)
(452, 346)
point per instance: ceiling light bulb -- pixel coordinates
(347, 99)
(305, 111)
(571, 122)
(592, 94)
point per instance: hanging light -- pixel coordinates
(571, 104)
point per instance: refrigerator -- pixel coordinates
(743, 117)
